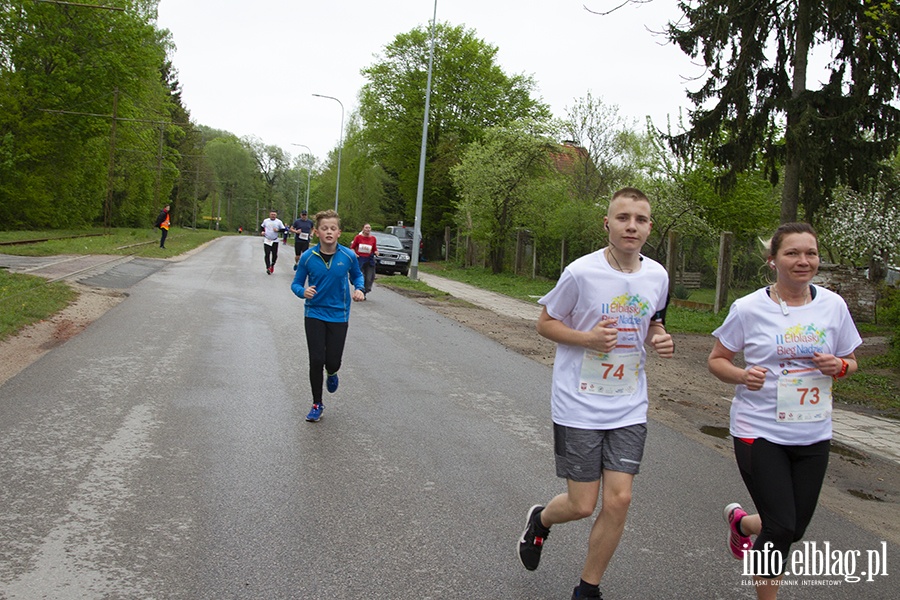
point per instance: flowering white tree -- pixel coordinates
(864, 228)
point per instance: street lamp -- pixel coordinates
(417, 224)
(337, 188)
(297, 203)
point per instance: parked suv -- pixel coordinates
(405, 233)
(390, 257)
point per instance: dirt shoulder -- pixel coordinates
(684, 396)
(30, 344)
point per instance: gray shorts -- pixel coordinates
(583, 454)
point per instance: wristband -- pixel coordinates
(844, 366)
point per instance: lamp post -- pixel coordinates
(417, 225)
(296, 204)
(337, 187)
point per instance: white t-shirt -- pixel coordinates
(784, 345)
(591, 390)
(272, 227)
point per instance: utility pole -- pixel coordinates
(107, 209)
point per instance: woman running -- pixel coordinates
(797, 338)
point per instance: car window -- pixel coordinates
(406, 232)
(386, 240)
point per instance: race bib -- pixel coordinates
(268, 242)
(303, 236)
(365, 248)
(803, 398)
(609, 374)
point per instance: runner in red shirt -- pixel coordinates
(365, 246)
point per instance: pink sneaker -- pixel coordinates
(738, 543)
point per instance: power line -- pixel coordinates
(82, 5)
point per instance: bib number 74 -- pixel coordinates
(609, 374)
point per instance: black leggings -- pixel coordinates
(271, 249)
(784, 482)
(325, 344)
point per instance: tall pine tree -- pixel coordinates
(756, 106)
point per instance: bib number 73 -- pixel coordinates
(804, 399)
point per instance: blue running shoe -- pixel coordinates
(331, 383)
(315, 413)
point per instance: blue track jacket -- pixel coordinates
(332, 300)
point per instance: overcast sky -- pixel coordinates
(251, 67)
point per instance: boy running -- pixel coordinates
(326, 268)
(605, 306)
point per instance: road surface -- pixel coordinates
(163, 453)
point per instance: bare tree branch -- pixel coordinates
(612, 10)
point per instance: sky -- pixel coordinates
(252, 67)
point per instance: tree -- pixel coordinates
(238, 183)
(470, 93)
(756, 109)
(62, 69)
(496, 178)
(607, 137)
(271, 163)
(363, 180)
(865, 227)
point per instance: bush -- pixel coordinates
(681, 292)
(889, 313)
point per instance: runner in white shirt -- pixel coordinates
(796, 339)
(270, 230)
(604, 308)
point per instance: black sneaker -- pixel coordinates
(532, 541)
(575, 595)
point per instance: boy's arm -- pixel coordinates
(602, 337)
(660, 339)
(299, 279)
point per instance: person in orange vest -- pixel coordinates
(162, 222)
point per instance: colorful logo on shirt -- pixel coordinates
(629, 309)
(800, 341)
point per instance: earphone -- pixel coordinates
(772, 264)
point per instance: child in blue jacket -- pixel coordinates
(323, 278)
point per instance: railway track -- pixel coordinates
(38, 240)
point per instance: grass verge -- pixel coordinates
(26, 299)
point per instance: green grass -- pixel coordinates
(121, 241)
(708, 295)
(405, 283)
(26, 299)
(523, 288)
(880, 391)
(686, 320)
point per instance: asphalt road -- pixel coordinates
(163, 453)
